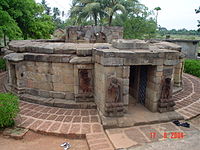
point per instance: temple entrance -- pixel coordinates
(142, 84)
(137, 84)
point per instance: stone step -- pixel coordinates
(99, 141)
(61, 103)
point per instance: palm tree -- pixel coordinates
(157, 9)
(112, 7)
(56, 12)
(86, 9)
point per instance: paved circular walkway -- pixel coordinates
(81, 123)
(188, 100)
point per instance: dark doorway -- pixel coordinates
(133, 85)
(142, 84)
(137, 84)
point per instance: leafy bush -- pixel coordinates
(192, 67)
(9, 107)
(2, 64)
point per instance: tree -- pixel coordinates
(47, 9)
(139, 28)
(198, 11)
(27, 17)
(157, 9)
(86, 9)
(8, 27)
(112, 7)
(56, 13)
(133, 16)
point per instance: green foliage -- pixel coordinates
(87, 9)
(2, 64)
(9, 107)
(139, 28)
(113, 7)
(136, 27)
(46, 8)
(192, 67)
(198, 11)
(103, 11)
(26, 17)
(41, 27)
(157, 8)
(163, 32)
(54, 16)
(130, 14)
(8, 26)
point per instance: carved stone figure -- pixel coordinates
(85, 81)
(166, 102)
(114, 91)
(166, 89)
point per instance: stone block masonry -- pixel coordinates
(87, 68)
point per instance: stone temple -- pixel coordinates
(93, 67)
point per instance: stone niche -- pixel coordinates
(84, 84)
(166, 103)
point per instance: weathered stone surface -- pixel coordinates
(112, 61)
(130, 44)
(93, 34)
(171, 62)
(60, 95)
(168, 45)
(56, 58)
(81, 60)
(14, 57)
(56, 72)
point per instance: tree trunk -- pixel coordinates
(157, 18)
(4, 39)
(110, 20)
(95, 19)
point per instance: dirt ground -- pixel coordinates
(34, 141)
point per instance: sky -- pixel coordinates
(174, 14)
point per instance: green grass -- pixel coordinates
(9, 107)
(192, 67)
(183, 37)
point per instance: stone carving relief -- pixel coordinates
(114, 104)
(98, 37)
(114, 91)
(85, 81)
(166, 92)
(166, 102)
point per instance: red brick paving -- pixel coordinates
(98, 141)
(57, 120)
(86, 121)
(73, 123)
(188, 100)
